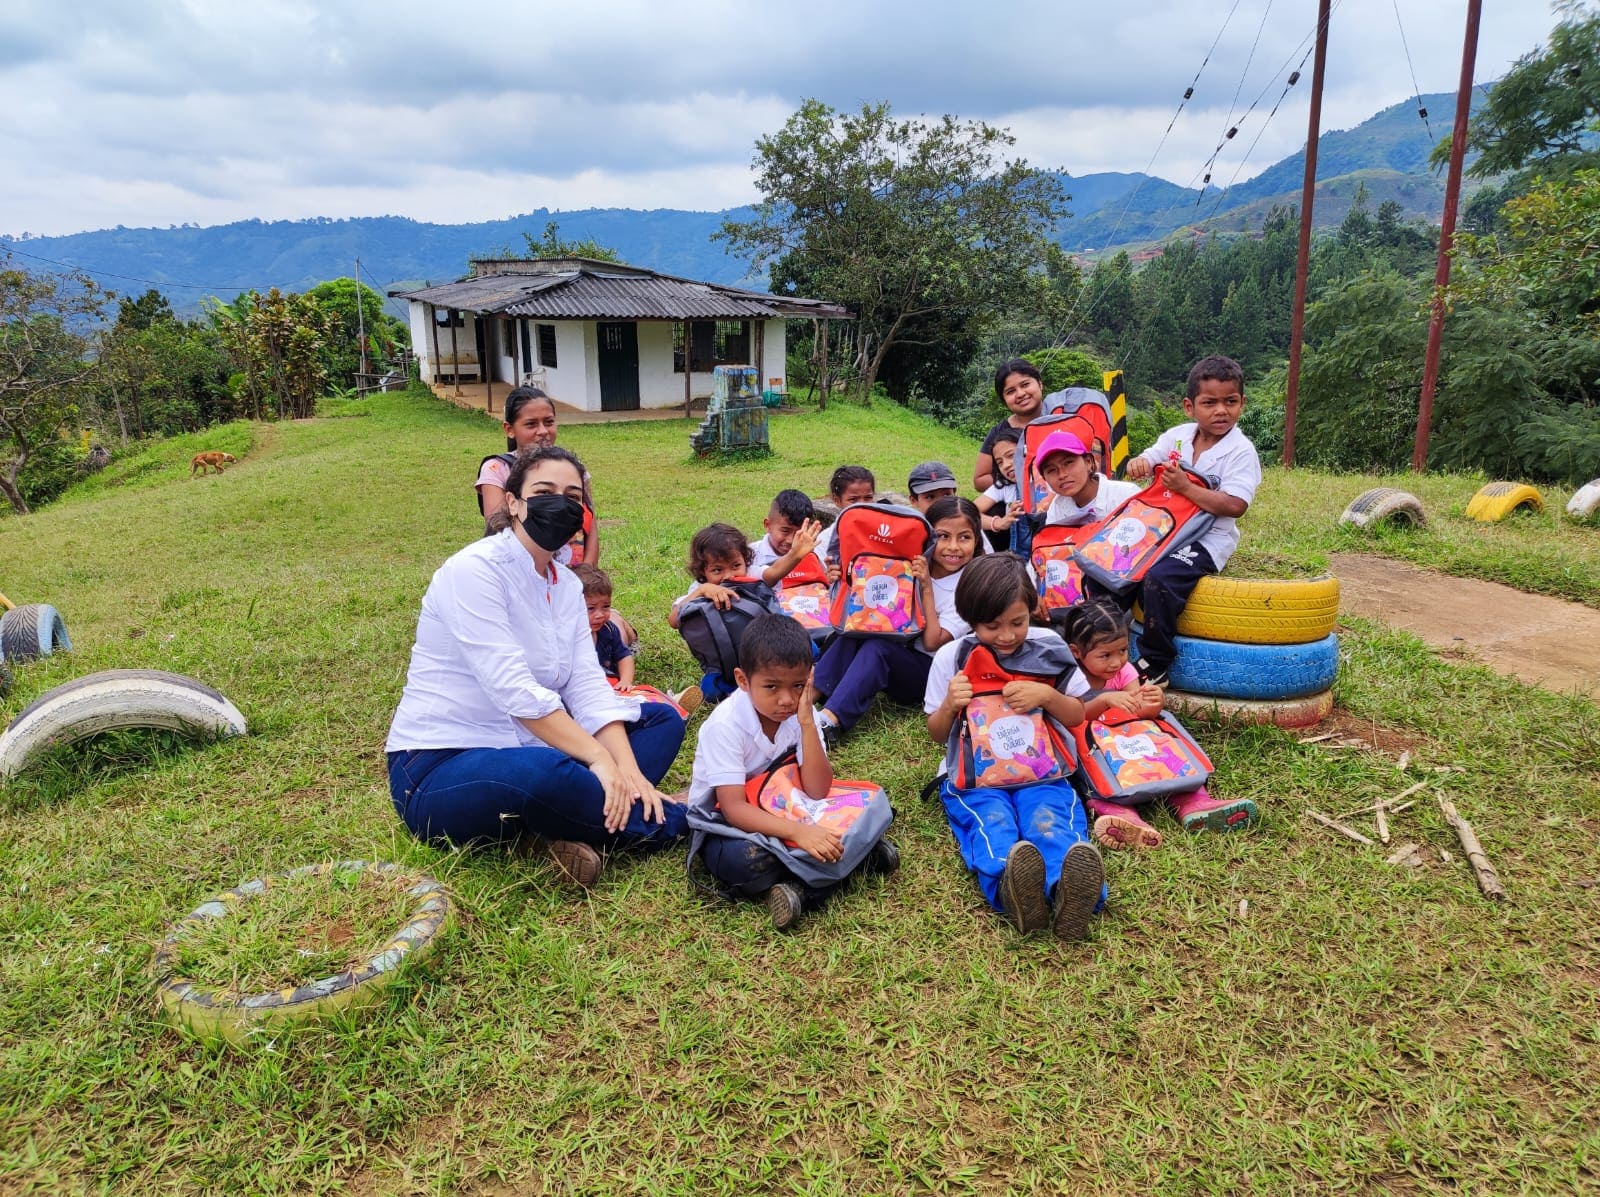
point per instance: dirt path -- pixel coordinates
(1543, 641)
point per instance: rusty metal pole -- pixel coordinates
(1308, 189)
(1447, 236)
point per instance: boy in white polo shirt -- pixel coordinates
(1212, 444)
(770, 713)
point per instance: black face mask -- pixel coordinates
(552, 520)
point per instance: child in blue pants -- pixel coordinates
(1029, 847)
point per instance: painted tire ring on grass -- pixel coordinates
(1381, 504)
(1251, 611)
(236, 1017)
(1288, 712)
(32, 630)
(1497, 500)
(1259, 671)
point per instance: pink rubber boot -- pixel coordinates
(1120, 826)
(1198, 810)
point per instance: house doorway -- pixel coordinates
(619, 366)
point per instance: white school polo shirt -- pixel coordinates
(1233, 461)
(731, 748)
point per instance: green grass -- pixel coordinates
(1362, 1028)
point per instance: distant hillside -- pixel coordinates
(1389, 151)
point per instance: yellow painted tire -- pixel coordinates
(1284, 712)
(238, 1017)
(1499, 499)
(1251, 611)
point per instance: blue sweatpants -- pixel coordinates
(987, 822)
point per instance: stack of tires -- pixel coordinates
(1258, 651)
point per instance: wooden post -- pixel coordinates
(1308, 190)
(433, 323)
(1447, 236)
(822, 370)
(688, 363)
(455, 351)
(760, 329)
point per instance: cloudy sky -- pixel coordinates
(144, 112)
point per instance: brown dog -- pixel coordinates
(212, 458)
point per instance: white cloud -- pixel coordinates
(145, 111)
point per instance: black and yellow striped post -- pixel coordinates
(1118, 394)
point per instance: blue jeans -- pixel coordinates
(852, 672)
(468, 796)
(987, 823)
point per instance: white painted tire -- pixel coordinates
(114, 699)
(1585, 502)
(1384, 504)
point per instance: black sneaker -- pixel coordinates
(831, 735)
(785, 904)
(884, 857)
(1077, 892)
(1022, 888)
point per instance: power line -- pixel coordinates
(1294, 77)
(1188, 94)
(1416, 88)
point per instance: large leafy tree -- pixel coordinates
(910, 223)
(42, 362)
(1543, 115)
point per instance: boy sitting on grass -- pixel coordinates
(771, 712)
(1212, 444)
(792, 531)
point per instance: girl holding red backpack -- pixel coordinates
(1097, 632)
(855, 670)
(1001, 698)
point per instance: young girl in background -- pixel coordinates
(852, 672)
(1001, 504)
(531, 420)
(1018, 385)
(1097, 632)
(849, 484)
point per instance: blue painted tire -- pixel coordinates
(32, 630)
(1264, 672)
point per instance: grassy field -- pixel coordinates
(1361, 1028)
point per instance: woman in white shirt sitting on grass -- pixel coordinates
(507, 729)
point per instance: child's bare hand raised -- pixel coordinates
(825, 845)
(959, 694)
(919, 568)
(808, 696)
(1139, 469)
(805, 540)
(1004, 522)
(1026, 696)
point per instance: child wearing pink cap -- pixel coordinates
(1083, 494)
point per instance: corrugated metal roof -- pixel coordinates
(598, 294)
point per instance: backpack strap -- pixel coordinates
(509, 459)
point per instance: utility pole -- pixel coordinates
(361, 331)
(1447, 236)
(1308, 189)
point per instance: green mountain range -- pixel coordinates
(1388, 152)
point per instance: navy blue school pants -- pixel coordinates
(852, 672)
(468, 796)
(1164, 594)
(988, 822)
